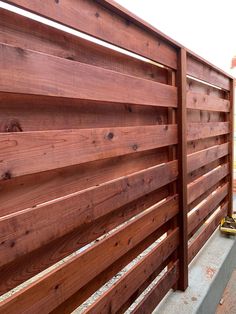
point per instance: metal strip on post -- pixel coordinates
(182, 160)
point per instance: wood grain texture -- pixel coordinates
(94, 19)
(207, 231)
(28, 191)
(31, 264)
(182, 166)
(23, 32)
(119, 293)
(205, 102)
(54, 288)
(211, 203)
(28, 72)
(25, 153)
(81, 295)
(158, 291)
(27, 230)
(206, 73)
(20, 112)
(201, 185)
(197, 131)
(206, 156)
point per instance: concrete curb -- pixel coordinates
(209, 274)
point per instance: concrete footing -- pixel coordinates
(209, 274)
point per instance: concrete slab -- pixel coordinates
(209, 274)
(228, 304)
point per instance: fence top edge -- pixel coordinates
(120, 10)
(123, 12)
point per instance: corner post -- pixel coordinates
(182, 167)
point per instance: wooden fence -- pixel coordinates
(105, 155)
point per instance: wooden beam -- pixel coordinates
(231, 147)
(182, 159)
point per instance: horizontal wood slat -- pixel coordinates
(38, 260)
(24, 153)
(54, 288)
(210, 203)
(28, 72)
(206, 156)
(17, 30)
(119, 293)
(206, 232)
(98, 23)
(158, 291)
(84, 293)
(197, 131)
(205, 102)
(40, 225)
(29, 191)
(205, 182)
(204, 72)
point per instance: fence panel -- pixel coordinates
(110, 161)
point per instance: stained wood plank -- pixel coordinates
(132, 35)
(28, 72)
(207, 231)
(119, 293)
(196, 131)
(48, 292)
(206, 73)
(158, 291)
(28, 191)
(30, 152)
(38, 260)
(44, 113)
(40, 225)
(211, 202)
(205, 102)
(17, 30)
(206, 156)
(205, 182)
(231, 146)
(83, 294)
(182, 167)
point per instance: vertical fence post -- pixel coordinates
(182, 167)
(231, 148)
